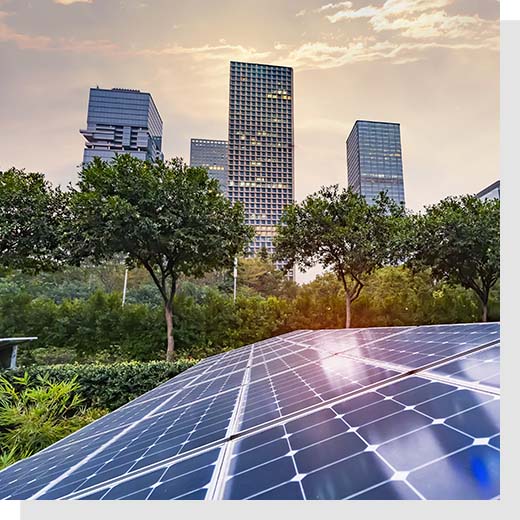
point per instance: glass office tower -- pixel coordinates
(374, 161)
(122, 121)
(261, 145)
(211, 154)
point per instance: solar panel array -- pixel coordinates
(381, 413)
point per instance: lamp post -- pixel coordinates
(235, 273)
(124, 288)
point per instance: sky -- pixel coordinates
(430, 65)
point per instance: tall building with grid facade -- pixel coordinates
(212, 155)
(261, 145)
(374, 161)
(122, 121)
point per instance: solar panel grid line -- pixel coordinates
(481, 368)
(370, 342)
(215, 487)
(465, 384)
(313, 408)
(429, 366)
(406, 433)
(76, 466)
(144, 471)
(179, 456)
(163, 465)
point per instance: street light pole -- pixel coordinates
(235, 273)
(124, 287)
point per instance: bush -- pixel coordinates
(36, 412)
(107, 386)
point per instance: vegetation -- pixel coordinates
(34, 415)
(105, 387)
(32, 219)
(341, 231)
(459, 239)
(166, 217)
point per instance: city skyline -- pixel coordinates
(432, 66)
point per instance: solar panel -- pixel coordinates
(334, 414)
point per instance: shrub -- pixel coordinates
(107, 386)
(35, 412)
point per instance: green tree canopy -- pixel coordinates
(165, 216)
(459, 238)
(32, 216)
(341, 231)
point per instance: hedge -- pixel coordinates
(109, 386)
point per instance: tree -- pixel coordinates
(262, 277)
(32, 217)
(165, 216)
(341, 231)
(459, 238)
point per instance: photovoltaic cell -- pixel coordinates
(330, 414)
(482, 368)
(380, 444)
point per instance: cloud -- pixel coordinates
(321, 55)
(325, 7)
(209, 52)
(423, 20)
(70, 2)
(389, 8)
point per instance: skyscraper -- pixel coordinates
(374, 161)
(122, 121)
(211, 154)
(261, 145)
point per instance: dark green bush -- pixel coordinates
(107, 386)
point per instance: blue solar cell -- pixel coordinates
(471, 474)
(188, 478)
(482, 367)
(392, 490)
(420, 346)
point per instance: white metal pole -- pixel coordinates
(124, 287)
(235, 272)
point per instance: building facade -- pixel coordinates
(212, 155)
(122, 121)
(491, 192)
(374, 160)
(261, 145)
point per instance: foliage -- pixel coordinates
(260, 275)
(36, 412)
(106, 386)
(341, 231)
(459, 239)
(32, 219)
(169, 218)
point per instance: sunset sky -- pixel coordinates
(431, 65)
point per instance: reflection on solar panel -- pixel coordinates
(382, 413)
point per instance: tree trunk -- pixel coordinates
(170, 349)
(484, 311)
(347, 310)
